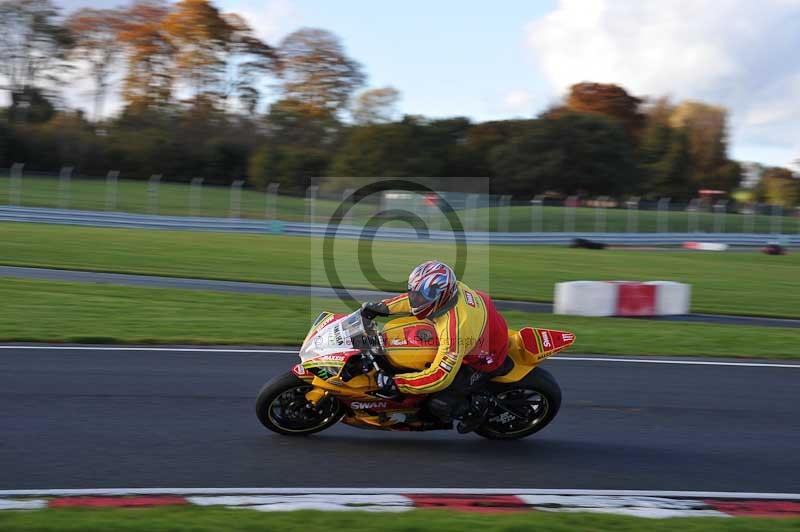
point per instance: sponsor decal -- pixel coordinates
(545, 339)
(333, 358)
(365, 405)
(398, 341)
(337, 332)
(299, 370)
(445, 366)
(451, 358)
(567, 337)
(470, 298)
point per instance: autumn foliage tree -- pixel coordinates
(315, 69)
(781, 187)
(609, 100)
(375, 106)
(149, 76)
(96, 42)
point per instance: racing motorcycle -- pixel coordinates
(342, 354)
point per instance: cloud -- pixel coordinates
(737, 53)
(272, 20)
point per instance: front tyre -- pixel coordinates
(524, 407)
(282, 407)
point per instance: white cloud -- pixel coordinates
(271, 20)
(737, 53)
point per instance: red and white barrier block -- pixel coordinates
(622, 298)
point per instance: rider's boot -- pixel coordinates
(476, 415)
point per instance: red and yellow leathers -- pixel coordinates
(471, 332)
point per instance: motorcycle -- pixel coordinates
(342, 354)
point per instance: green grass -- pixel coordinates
(84, 312)
(215, 519)
(746, 283)
(175, 199)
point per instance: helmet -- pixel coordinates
(431, 285)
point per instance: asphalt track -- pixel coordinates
(154, 281)
(163, 417)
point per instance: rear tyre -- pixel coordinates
(282, 407)
(534, 401)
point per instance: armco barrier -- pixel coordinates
(237, 225)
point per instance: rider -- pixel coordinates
(473, 344)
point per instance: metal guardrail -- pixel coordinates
(239, 225)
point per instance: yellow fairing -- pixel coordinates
(404, 353)
(403, 347)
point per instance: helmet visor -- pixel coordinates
(420, 298)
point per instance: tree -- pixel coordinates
(375, 106)
(664, 156)
(251, 59)
(315, 70)
(96, 35)
(149, 76)
(33, 47)
(781, 187)
(609, 100)
(572, 154)
(200, 37)
(705, 127)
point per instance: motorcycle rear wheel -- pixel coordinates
(282, 407)
(537, 397)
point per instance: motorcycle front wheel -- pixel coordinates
(523, 407)
(282, 407)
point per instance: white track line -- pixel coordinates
(161, 349)
(394, 491)
(681, 362)
(294, 351)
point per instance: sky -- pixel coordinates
(496, 60)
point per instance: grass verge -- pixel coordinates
(91, 313)
(726, 283)
(214, 519)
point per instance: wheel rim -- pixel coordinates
(525, 408)
(292, 412)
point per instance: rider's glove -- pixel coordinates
(387, 387)
(370, 310)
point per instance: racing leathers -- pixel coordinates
(473, 344)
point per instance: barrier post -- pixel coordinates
(15, 184)
(152, 193)
(720, 212)
(776, 220)
(504, 213)
(471, 212)
(692, 215)
(111, 189)
(797, 215)
(64, 178)
(749, 223)
(600, 214)
(663, 215)
(311, 200)
(537, 211)
(195, 195)
(633, 214)
(348, 217)
(569, 214)
(271, 203)
(236, 199)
